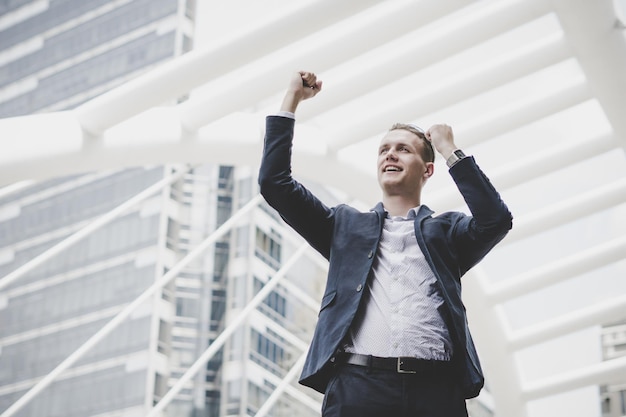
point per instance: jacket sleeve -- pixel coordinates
(296, 205)
(476, 235)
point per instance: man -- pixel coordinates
(392, 336)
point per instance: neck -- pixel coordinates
(399, 205)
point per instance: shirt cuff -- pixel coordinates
(287, 114)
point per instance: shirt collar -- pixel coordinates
(410, 215)
(422, 211)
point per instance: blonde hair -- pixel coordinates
(428, 153)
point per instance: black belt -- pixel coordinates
(402, 365)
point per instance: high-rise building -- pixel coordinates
(57, 54)
(613, 346)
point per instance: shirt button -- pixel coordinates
(359, 288)
(370, 254)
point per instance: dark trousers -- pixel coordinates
(360, 391)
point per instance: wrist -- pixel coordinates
(447, 150)
(454, 157)
(290, 102)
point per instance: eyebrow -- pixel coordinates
(387, 145)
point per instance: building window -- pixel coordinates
(160, 386)
(244, 193)
(190, 9)
(237, 291)
(268, 248)
(224, 208)
(218, 308)
(187, 307)
(256, 397)
(268, 350)
(220, 267)
(165, 337)
(225, 181)
(241, 241)
(274, 300)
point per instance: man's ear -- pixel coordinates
(430, 170)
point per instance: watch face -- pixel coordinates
(459, 153)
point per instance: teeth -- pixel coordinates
(391, 169)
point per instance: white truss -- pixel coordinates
(387, 61)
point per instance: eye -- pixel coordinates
(404, 149)
(382, 151)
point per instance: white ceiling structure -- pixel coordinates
(535, 89)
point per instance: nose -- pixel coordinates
(391, 155)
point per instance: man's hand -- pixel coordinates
(303, 85)
(442, 138)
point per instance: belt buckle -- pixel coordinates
(399, 367)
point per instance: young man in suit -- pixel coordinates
(392, 337)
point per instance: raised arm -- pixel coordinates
(490, 221)
(296, 204)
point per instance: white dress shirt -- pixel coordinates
(399, 315)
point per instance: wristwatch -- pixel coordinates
(456, 156)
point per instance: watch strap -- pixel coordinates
(455, 157)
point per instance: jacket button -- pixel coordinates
(370, 254)
(359, 288)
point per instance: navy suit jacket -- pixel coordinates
(451, 242)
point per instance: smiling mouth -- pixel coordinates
(392, 169)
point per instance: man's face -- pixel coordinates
(401, 168)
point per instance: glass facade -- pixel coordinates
(72, 50)
(50, 312)
(613, 396)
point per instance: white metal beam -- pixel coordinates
(557, 271)
(179, 76)
(422, 48)
(574, 208)
(511, 117)
(152, 137)
(607, 372)
(599, 44)
(30, 137)
(519, 171)
(467, 83)
(326, 49)
(602, 312)
(552, 159)
(489, 331)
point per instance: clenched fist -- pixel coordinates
(303, 85)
